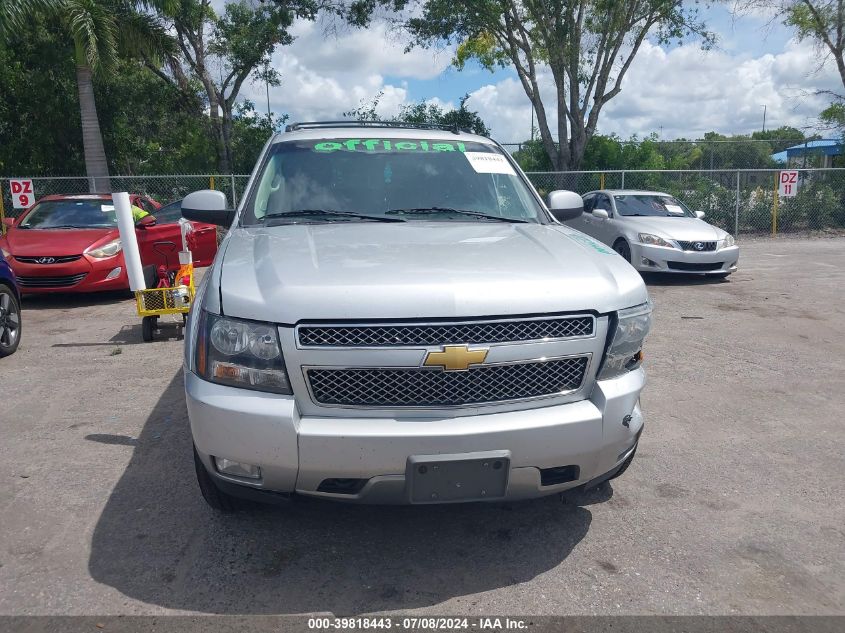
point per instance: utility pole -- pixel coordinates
(764, 117)
(532, 120)
(267, 87)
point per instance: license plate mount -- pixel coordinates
(457, 477)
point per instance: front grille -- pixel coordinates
(429, 334)
(692, 246)
(423, 387)
(51, 282)
(691, 267)
(45, 259)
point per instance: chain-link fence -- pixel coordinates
(712, 154)
(739, 201)
(163, 189)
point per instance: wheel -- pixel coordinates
(717, 275)
(10, 321)
(147, 328)
(213, 496)
(621, 247)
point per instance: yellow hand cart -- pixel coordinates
(157, 302)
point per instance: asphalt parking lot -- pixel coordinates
(733, 505)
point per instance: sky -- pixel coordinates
(678, 91)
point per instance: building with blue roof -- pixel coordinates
(817, 153)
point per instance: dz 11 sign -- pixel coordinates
(787, 184)
(22, 193)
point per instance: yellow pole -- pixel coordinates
(211, 182)
(601, 181)
(2, 214)
(775, 205)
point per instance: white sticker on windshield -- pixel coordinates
(106, 208)
(674, 208)
(487, 163)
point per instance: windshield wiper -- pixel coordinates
(433, 210)
(330, 213)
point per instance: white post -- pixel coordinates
(128, 240)
(736, 211)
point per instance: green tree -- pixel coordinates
(99, 31)
(587, 46)
(250, 132)
(424, 112)
(222, 51)
(532, 156)
(37, 90)
(822, 21)
(462, 117)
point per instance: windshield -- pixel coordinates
(651, 205)
(77, 214)
(409, 179)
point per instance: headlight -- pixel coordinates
(654, 240)
(239, 353)
(624, 353)
(728, 241)
(107, 250)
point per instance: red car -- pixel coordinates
(70, 243)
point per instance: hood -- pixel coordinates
(413, 270)
(676, 228)
(42, 242)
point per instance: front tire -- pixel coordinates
(214, 497)
(623, 248)
(10, 321)
(147, 328)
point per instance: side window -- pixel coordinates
(603, 202)
(146, 205)
(169, 214)
(589, 203)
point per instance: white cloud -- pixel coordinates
(326, 73)
(687, 91)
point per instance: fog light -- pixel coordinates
(647, 262)
(114, 273)
(238, 469)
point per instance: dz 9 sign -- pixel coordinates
(787, 184)
(22, 193)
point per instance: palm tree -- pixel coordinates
(101, 31)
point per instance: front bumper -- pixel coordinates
(297, 453)
(85, 274)
(647, 258)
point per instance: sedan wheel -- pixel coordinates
(621, 247)
(10, 322)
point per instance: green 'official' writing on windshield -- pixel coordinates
(381, 145)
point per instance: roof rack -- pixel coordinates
(306, 125)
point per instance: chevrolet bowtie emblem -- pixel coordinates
(455, 358)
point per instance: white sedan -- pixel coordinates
(656, 232)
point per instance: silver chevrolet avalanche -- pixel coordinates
(395, 316)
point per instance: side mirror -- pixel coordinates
(565, 205)
(145, 222)
(207, 206)
(699, 215)
(601, 214)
